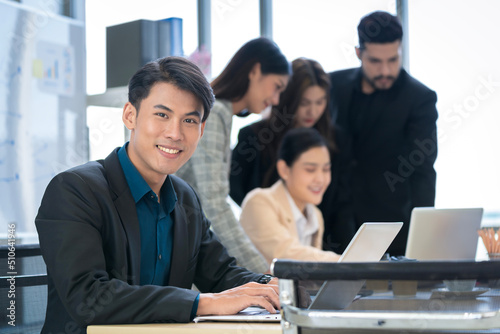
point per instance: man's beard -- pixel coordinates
(373, 82)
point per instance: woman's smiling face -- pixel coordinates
(308, 177)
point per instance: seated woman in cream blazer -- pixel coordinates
(283, 221)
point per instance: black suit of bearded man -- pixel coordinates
(90, 237)
(394, 146)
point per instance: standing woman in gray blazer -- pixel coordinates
(251, 82)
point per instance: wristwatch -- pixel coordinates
(264, 279)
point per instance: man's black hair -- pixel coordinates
(379, 27)
(177, 71)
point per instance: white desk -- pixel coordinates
(189, 328)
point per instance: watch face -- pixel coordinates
(265, 279)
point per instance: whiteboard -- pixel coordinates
(42, 107)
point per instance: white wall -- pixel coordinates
(454, 50)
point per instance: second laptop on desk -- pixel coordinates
(443, 234)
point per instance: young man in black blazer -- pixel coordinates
(123, 239)
(391, 119)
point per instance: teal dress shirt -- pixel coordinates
(155, 222)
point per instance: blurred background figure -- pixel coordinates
(283, 221)
(391, 120)
(251, 82)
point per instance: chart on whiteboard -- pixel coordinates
(42, 108)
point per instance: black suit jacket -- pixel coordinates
(392, 165)
(90, 240)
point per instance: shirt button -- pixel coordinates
(159, 256)
(152, 196)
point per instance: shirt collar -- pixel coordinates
(306, 225)
(139, 187)
(297, 214)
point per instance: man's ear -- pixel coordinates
(203, 128)
(358, 52)
(255, 72)
(283, 170)
(129, 116)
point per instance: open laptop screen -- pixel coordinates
(368, 245)
(443, 234)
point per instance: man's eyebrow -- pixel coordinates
(161, 106)
(194, 113)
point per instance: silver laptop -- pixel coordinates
(252, 313)
(368, 245)
(443, 234)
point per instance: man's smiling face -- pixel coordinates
(164, 131)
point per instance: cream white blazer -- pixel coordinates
(268, 220)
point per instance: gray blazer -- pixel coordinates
(90, 240)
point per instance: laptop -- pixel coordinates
(443, 234)
(250, 314)
(368, 244)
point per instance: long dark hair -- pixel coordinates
(306, 73)
(232, 83)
